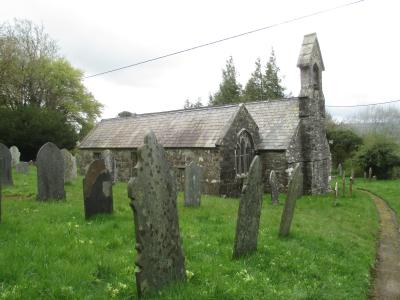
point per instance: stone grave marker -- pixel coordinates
(15, 155)
(295, 191)
(5, 166)
(22, 167)
(365, 175)
(370, 173)
(111, 164)
(193, 178)
(344, 184)
(152, 190)
(50, 173)
(336, 194)
(273, 181)
(97, 190)
(70, 171)
(340, 169)
(248, 220)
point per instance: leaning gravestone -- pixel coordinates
(97, 190)
(152, 190)
(15, 155)
(50, 173)
(273, 182)
(5, 166)
(111, 165)
(70, 171)
(22, 167)
(248, 220)
(295, 191)
(193, 178)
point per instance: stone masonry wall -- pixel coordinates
(274, 160)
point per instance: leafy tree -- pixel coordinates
(189, 105)
(29, 127)
(32, 73)
(229, 90)
(343, 144)
(381, 155)
(253, 90)
(125, 114)
(272, 83)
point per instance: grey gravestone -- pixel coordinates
(370, 173)
(97, 190)
(273, 181)
(111, 164)
(193, 178)
(50, 173)
(15, 155)
(248, 220)
(340, 169)
(336, 194)
(5, 165)
(70, 171)
(22, 167)
(295, 191)
(152, 190)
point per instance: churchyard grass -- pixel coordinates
(49, 251)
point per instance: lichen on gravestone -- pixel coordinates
(295, 191)
(248, 220)
(152, 190)
(15, 155)
(70, 170)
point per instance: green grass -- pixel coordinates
(49, 251)
(388, 190)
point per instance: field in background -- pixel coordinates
(49, 251)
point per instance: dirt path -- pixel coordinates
(387, 268)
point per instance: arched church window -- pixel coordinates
(315, 75)
(244, 153)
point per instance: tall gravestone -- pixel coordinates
(249, 213)
(370, 173)
(340, 169)
(50, 173)
(193, 178)
(22, 167)
(97, 190)
(273, 182)
(111, 164)
(152, 190)
(5, 165)
(295, 191)
(15, 155)
(70, 171)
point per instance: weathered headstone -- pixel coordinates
(152, 190)
(295, 190)
(336, 194)
(111, 164)
(340, 169)
(249, 213)
(5, 166)
(50, 173)
(22, 167)
(370, 173)
(15, 155)
(344, 184)
(70, 171)
(273, 182)
(365, 175)
(97, 190)
(193, 178)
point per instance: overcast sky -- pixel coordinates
(360, 46)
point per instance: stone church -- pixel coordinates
(224, 139)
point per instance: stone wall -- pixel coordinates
(274, 160)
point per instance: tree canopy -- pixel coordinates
(33, 74)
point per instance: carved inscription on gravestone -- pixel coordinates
(152, 190)
(249, 213)
(295, 191)
(97, 190)
(273, 181)
(193, 178)
(5, 165)
(15, 155)
(50, 173)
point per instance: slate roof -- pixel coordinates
(277, 121)
(198, 128)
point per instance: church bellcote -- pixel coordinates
(311, 66)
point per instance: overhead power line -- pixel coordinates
(359, 105)
(226, 39)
